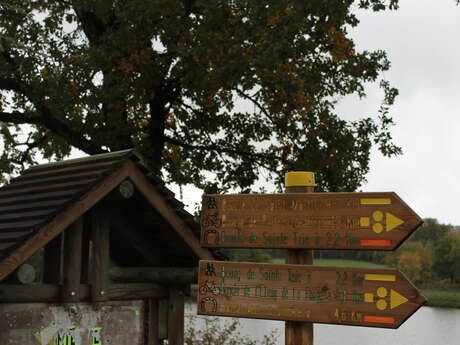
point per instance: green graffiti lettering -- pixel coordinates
(96, 339)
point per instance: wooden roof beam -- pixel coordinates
(157, 201)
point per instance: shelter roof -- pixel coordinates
(45, 199)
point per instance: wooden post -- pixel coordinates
(72, 262)
(86, 248)
(100, 271)
(299, 333)
(176, 317)
(153, 323)
(52, 267)
(163, 306)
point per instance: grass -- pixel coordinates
(340, 263)
(449, 298)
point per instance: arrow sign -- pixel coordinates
(374, 221)
(338, 295)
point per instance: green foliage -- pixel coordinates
(447, 257)
(247, 255)
(414, 259)
(210, 92)
(430, 231)
(216, 332)
(411, 264)
(433, 253)
(347, 263)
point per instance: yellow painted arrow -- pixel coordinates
(396, 299)
(392, 221)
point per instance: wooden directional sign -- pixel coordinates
(338, 295)
(375, 221)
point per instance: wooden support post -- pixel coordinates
(153, 323)
(53, 261)
(176, 317)
(72, 262)
(86, 248)
(100, 234)
(299, 333)
(163, 306)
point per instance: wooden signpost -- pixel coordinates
(336, 295)
(372, 221)
(297, 292)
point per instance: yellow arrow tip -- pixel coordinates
(396, 299)
(392, 221)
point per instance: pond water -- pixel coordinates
(428, 326)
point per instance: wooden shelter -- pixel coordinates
(103, 229)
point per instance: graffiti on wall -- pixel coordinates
(69, 338)
(115, 322)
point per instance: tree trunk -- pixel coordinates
(157, 126)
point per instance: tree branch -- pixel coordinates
(214, 148)
(29, 147)
(253, 100)
(74, 137)
(45, 118)
(19, 118)
(92, 26)
(44, 115)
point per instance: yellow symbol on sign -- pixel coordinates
(391, 221)
(381, 304)
(378, 216)
(382, 292)
(376, 201)
(380, 277)
(396, 299)
(368, 297)
(377, 227)
(364, 222)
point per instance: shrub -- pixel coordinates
(215, 332)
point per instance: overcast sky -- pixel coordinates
(422, 40)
